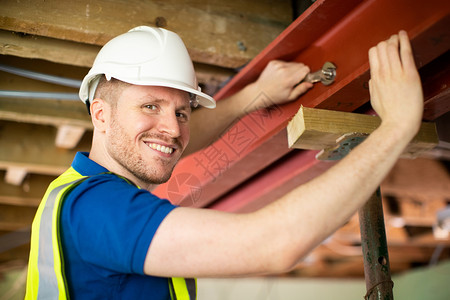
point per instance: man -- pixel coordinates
(118, 241)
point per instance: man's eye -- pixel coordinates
(182, 116)
(151, 107)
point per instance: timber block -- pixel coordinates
(319, 129)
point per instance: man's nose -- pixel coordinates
(169, 125)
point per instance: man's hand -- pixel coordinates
(395, 88)
(279, 81)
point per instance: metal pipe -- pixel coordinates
(39, 95)
(375, 252)
(41, 76)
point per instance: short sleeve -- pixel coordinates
(111, 223)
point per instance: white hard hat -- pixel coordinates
(145, 56)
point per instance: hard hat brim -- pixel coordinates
(204, 99)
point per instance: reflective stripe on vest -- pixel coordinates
(45, 278)
(51, 282)
(183, 288)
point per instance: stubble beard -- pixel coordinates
(121, 149)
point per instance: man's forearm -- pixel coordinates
(278, 83)
(310, 213)
(313, 211)
(274, 238)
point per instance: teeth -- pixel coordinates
(161, 148)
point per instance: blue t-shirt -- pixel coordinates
(107, 225)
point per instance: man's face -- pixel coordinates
(148, 132)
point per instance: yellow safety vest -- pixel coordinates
(46, 278)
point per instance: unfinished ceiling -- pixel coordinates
(251, 165)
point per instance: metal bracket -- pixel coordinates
(345, 144)
(326, 75)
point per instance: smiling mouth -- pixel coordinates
(160, 148)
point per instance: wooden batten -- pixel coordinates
(15, 175)
(317, 129)
(68, 136)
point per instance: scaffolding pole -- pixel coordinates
(375, 251)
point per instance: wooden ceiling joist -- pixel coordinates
(32, 147)
(67, 58)
(51, 49)
(212, 36)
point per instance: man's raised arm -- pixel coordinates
(200, 243)
(278, 82)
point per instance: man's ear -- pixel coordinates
(100, 111)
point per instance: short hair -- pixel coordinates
(109, 90)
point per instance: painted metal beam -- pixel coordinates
(298, 166)
(328, 31)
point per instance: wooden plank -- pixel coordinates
(54, 50)
(307, 131)
(73, 54)
(68, 136)
(32, 147)
(45, 112)
(15, 175)
(316, 129)
(212, 30)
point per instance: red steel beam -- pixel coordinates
(298, 166)
(255, 141)
(194, 181)
(290, 171)
(436, 82)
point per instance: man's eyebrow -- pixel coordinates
(186, 106)
(152, 98)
